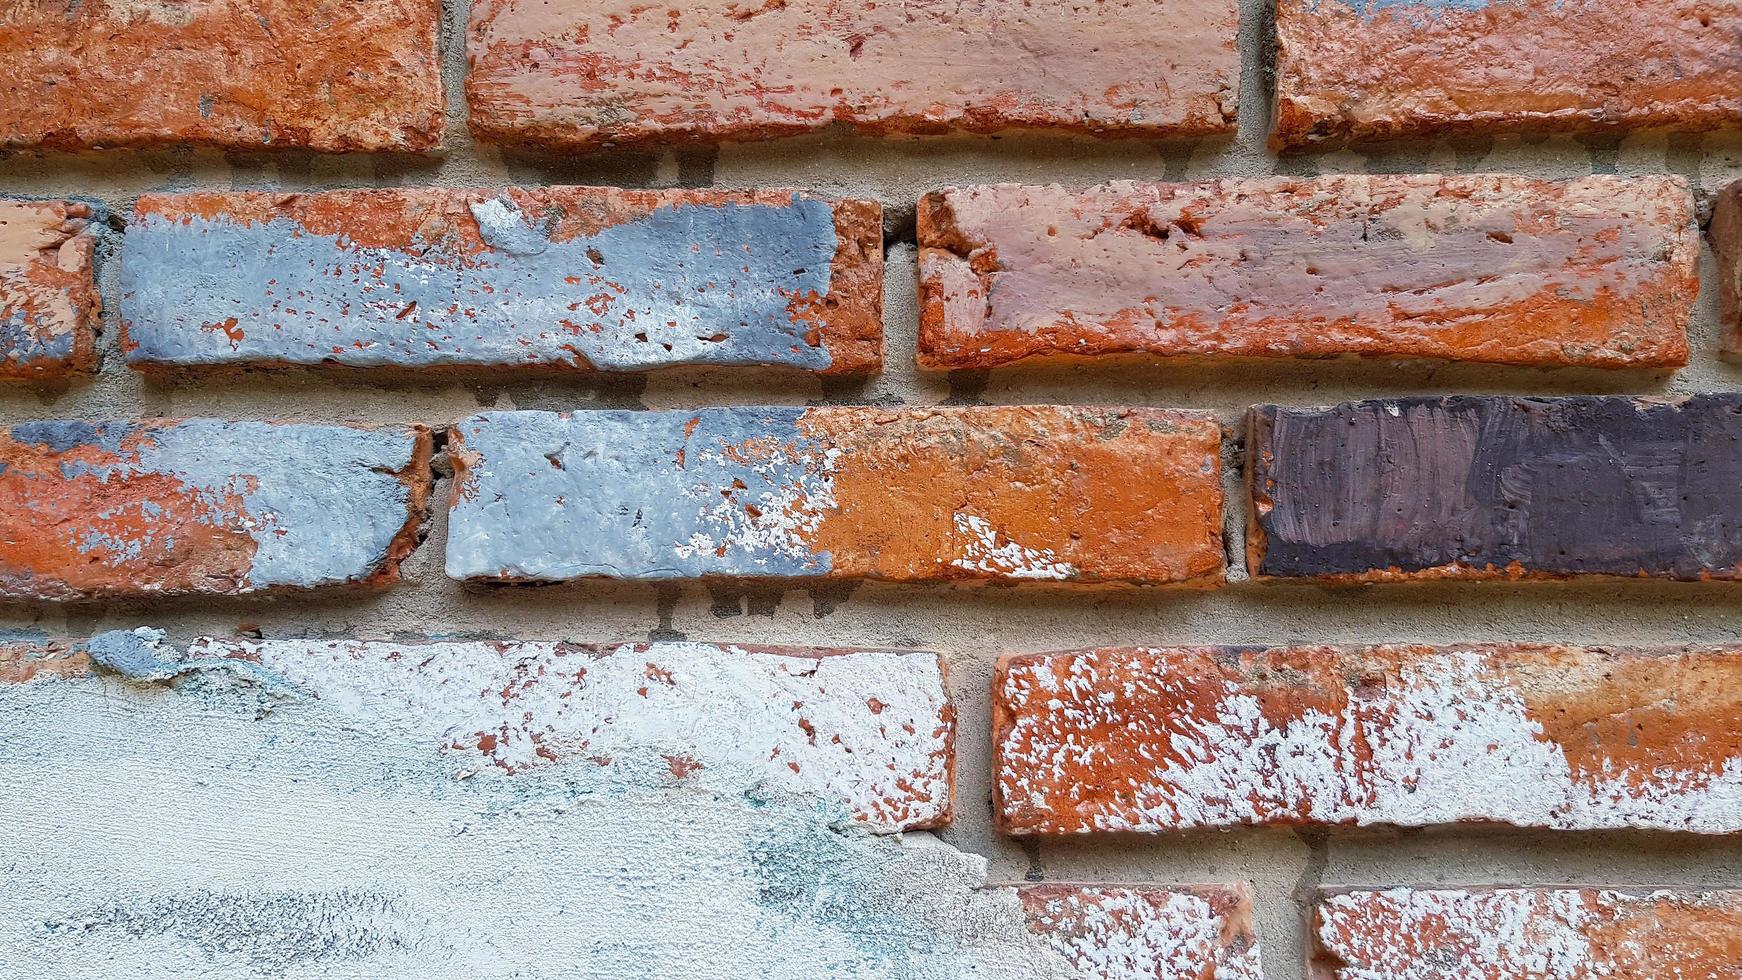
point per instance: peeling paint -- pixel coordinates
(1043, 493)
(557, 278)
(48, 295)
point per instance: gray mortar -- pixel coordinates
(974, 626)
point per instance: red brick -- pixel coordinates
(327, 75)
(1512, 933)
(1470, 487)
(1052, 493)
(1568, 738)
(1595, 272)
(1356, 70)
(24, 661)
(1726, 235)
(48, 298)
(1148, 932)
(544, 279)
(121, 509)
(589, 73)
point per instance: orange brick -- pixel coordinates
(1060, 494)
(1569, 738)
(1356, 70)
(48, 298)
(205, 506)
(329, 75)
(1512, 933)
(1147, 932)
(589, 73)
(1726, 235)
(1595, 272)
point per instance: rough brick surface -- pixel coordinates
(1530, 736)
(1513, 933)
(1596, 272)
(873, 729)
(1726, 234)
(561, 278)
(1008, 493)
(1352, 70)
(205, 506)
(324, 75)
(585, 73)
(48, 298)
(1472, 487)
(23, 660)
(1182, 932)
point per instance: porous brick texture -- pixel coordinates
(558, 278)
(873, 729)
(1355, 70)
(1595, 272)
(1497, 487)
(583, 73)
(154, 507)
(1201, 932)
(23, 661)
(1568, 738)
(1055, 494)
(48, 294)
(329, 75)
(1510, 933)
(1726, 236)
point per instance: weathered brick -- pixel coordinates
(1726, 234)
(873, 729)
(1510, 933)
(561, 278)
(1469, 487)
(48, 298)
(205, 506)
(24, 659)
(1596, 272)
(1355, 70)
(1530, 736)
(584, 73)
(1008, 493)
(266, 74)
(1180, 932)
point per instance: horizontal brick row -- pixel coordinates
(584, 74)
(48, 295)
(1104, 932)
(1357, 70)
(328, 75)
(164, 507)
(1494, 487)
(1509, 933)
(1051, 493)
(873, 730)
(1595, 272)
(562, 278)
(1568, 738)
(321, 75)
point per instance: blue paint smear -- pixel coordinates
(1368, 9)
(602, 494)
(60, 436)
(724, 303)
(323, 502)
(22, 339)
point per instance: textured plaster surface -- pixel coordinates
(971, 626)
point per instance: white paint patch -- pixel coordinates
(211, 828)
(987, 550)
(1144, 934)
(1449, 742)
(871, 728)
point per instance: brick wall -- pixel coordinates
(801, 489)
